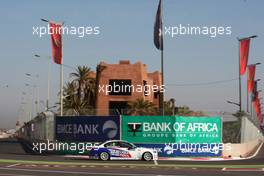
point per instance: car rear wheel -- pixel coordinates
(104, 156)
(147, 156)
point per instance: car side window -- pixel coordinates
(108, 144)
(125, 145)
(111, 144)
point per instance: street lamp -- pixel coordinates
(29, 104)
(230, 102)
(35, 86)
(49, 73)
(48, 83)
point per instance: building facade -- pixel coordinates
(119, 84)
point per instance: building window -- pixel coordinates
(117, 107)
(156, 94)
(120, 87)
(145, 88)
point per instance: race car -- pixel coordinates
(122, 150)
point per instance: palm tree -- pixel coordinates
(90, 92)
(79, 94)
(83, 80)
(141, 107)
(70, 98)
(169, 107)
(186, 111)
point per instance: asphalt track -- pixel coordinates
(15, 162)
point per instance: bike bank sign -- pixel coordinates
(171, 129)
(87, 128)
(186, 150)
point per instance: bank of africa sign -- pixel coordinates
(164, 129)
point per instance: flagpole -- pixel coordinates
(61, 89)
(162, 82)
(247, 90)
(240, 103)
(161, 57)
(158, 42)
(61, 76)
(239, 40)
(48, 91)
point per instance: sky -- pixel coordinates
(126, 32)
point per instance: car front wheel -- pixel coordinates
(104, 156)
(147, 156)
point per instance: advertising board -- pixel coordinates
(87, 128)
(171, 129)
(186, 150)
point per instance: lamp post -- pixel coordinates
(35, 86)
(30, 105)
(49, 59)
(239, 40)
(48, 82)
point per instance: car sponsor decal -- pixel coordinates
(114, 152)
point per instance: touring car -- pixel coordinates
(122, 150)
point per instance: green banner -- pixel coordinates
(171, 129)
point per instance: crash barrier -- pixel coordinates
(249, 130)
(172, 136)
(40, 128)
(251, 139)
(242, 150)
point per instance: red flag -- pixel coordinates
(56, 42)
(257, 107)
(251, 77)
(258, 112)
(244, 52)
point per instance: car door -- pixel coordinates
(114, 149)
(130, 150)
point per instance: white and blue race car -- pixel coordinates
(122, 150)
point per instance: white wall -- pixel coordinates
(251, 138)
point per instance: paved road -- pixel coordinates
(52, 170)
(11, 150)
